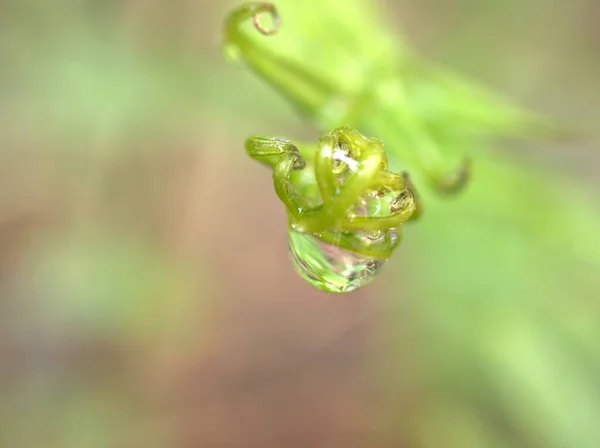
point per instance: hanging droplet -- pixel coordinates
(342, 261)
(328, 266)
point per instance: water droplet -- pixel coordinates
(337, 260)
(330, 267)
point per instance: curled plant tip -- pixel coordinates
(253, 11)
(455, 182)
(308, 90)
(345, 208)
(272, 10)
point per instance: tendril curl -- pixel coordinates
(272, 11)
(254, 12)
(349, 170)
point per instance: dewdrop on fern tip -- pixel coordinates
(345, 209)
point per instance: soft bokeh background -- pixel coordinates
(146, 298)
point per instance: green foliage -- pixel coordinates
(378, 86)
(505, 274)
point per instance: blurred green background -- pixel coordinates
(146, 297)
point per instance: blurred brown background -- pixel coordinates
(146, 297)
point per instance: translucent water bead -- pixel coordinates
(329, 267)
(340, 261)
